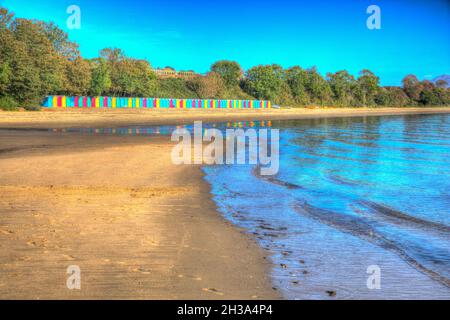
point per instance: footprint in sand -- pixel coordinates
(196, 278)
(149, 242)
(212, 290)
(41, 243)
(32, 243)
(142, 270)
(7, 232)
(25, 258)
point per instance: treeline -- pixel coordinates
(38, 59)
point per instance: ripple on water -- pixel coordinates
(350, 193)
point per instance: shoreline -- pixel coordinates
(136, 231)
(181, 269)
(101, 118)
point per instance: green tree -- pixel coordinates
(100, 81)
(112, 55)
(297, 79)
(412, 87)
(265, 82)
(77, 77)
(397, 97)
(318, 88)
(129, 77)
(342, 85)
(5, 76)
(441, 83)
(230, 71)
(33, 64)
(6, 18)
(143, 77)
(391, 96)
(133, 77)
(209, 86)
(60, 41)
(175, 87)
(434, 96)
(367, 87)
(382, 97)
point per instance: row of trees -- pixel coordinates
(297, 86)
(38, 59)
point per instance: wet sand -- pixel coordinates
(60, 118)
(136, 225)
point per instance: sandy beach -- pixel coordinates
(138, 226)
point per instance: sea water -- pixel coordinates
(351, 195)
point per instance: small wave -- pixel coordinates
(398, 215)
(342, 181)
(361, 228)
(256, 172)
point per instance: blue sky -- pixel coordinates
(332, 35)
